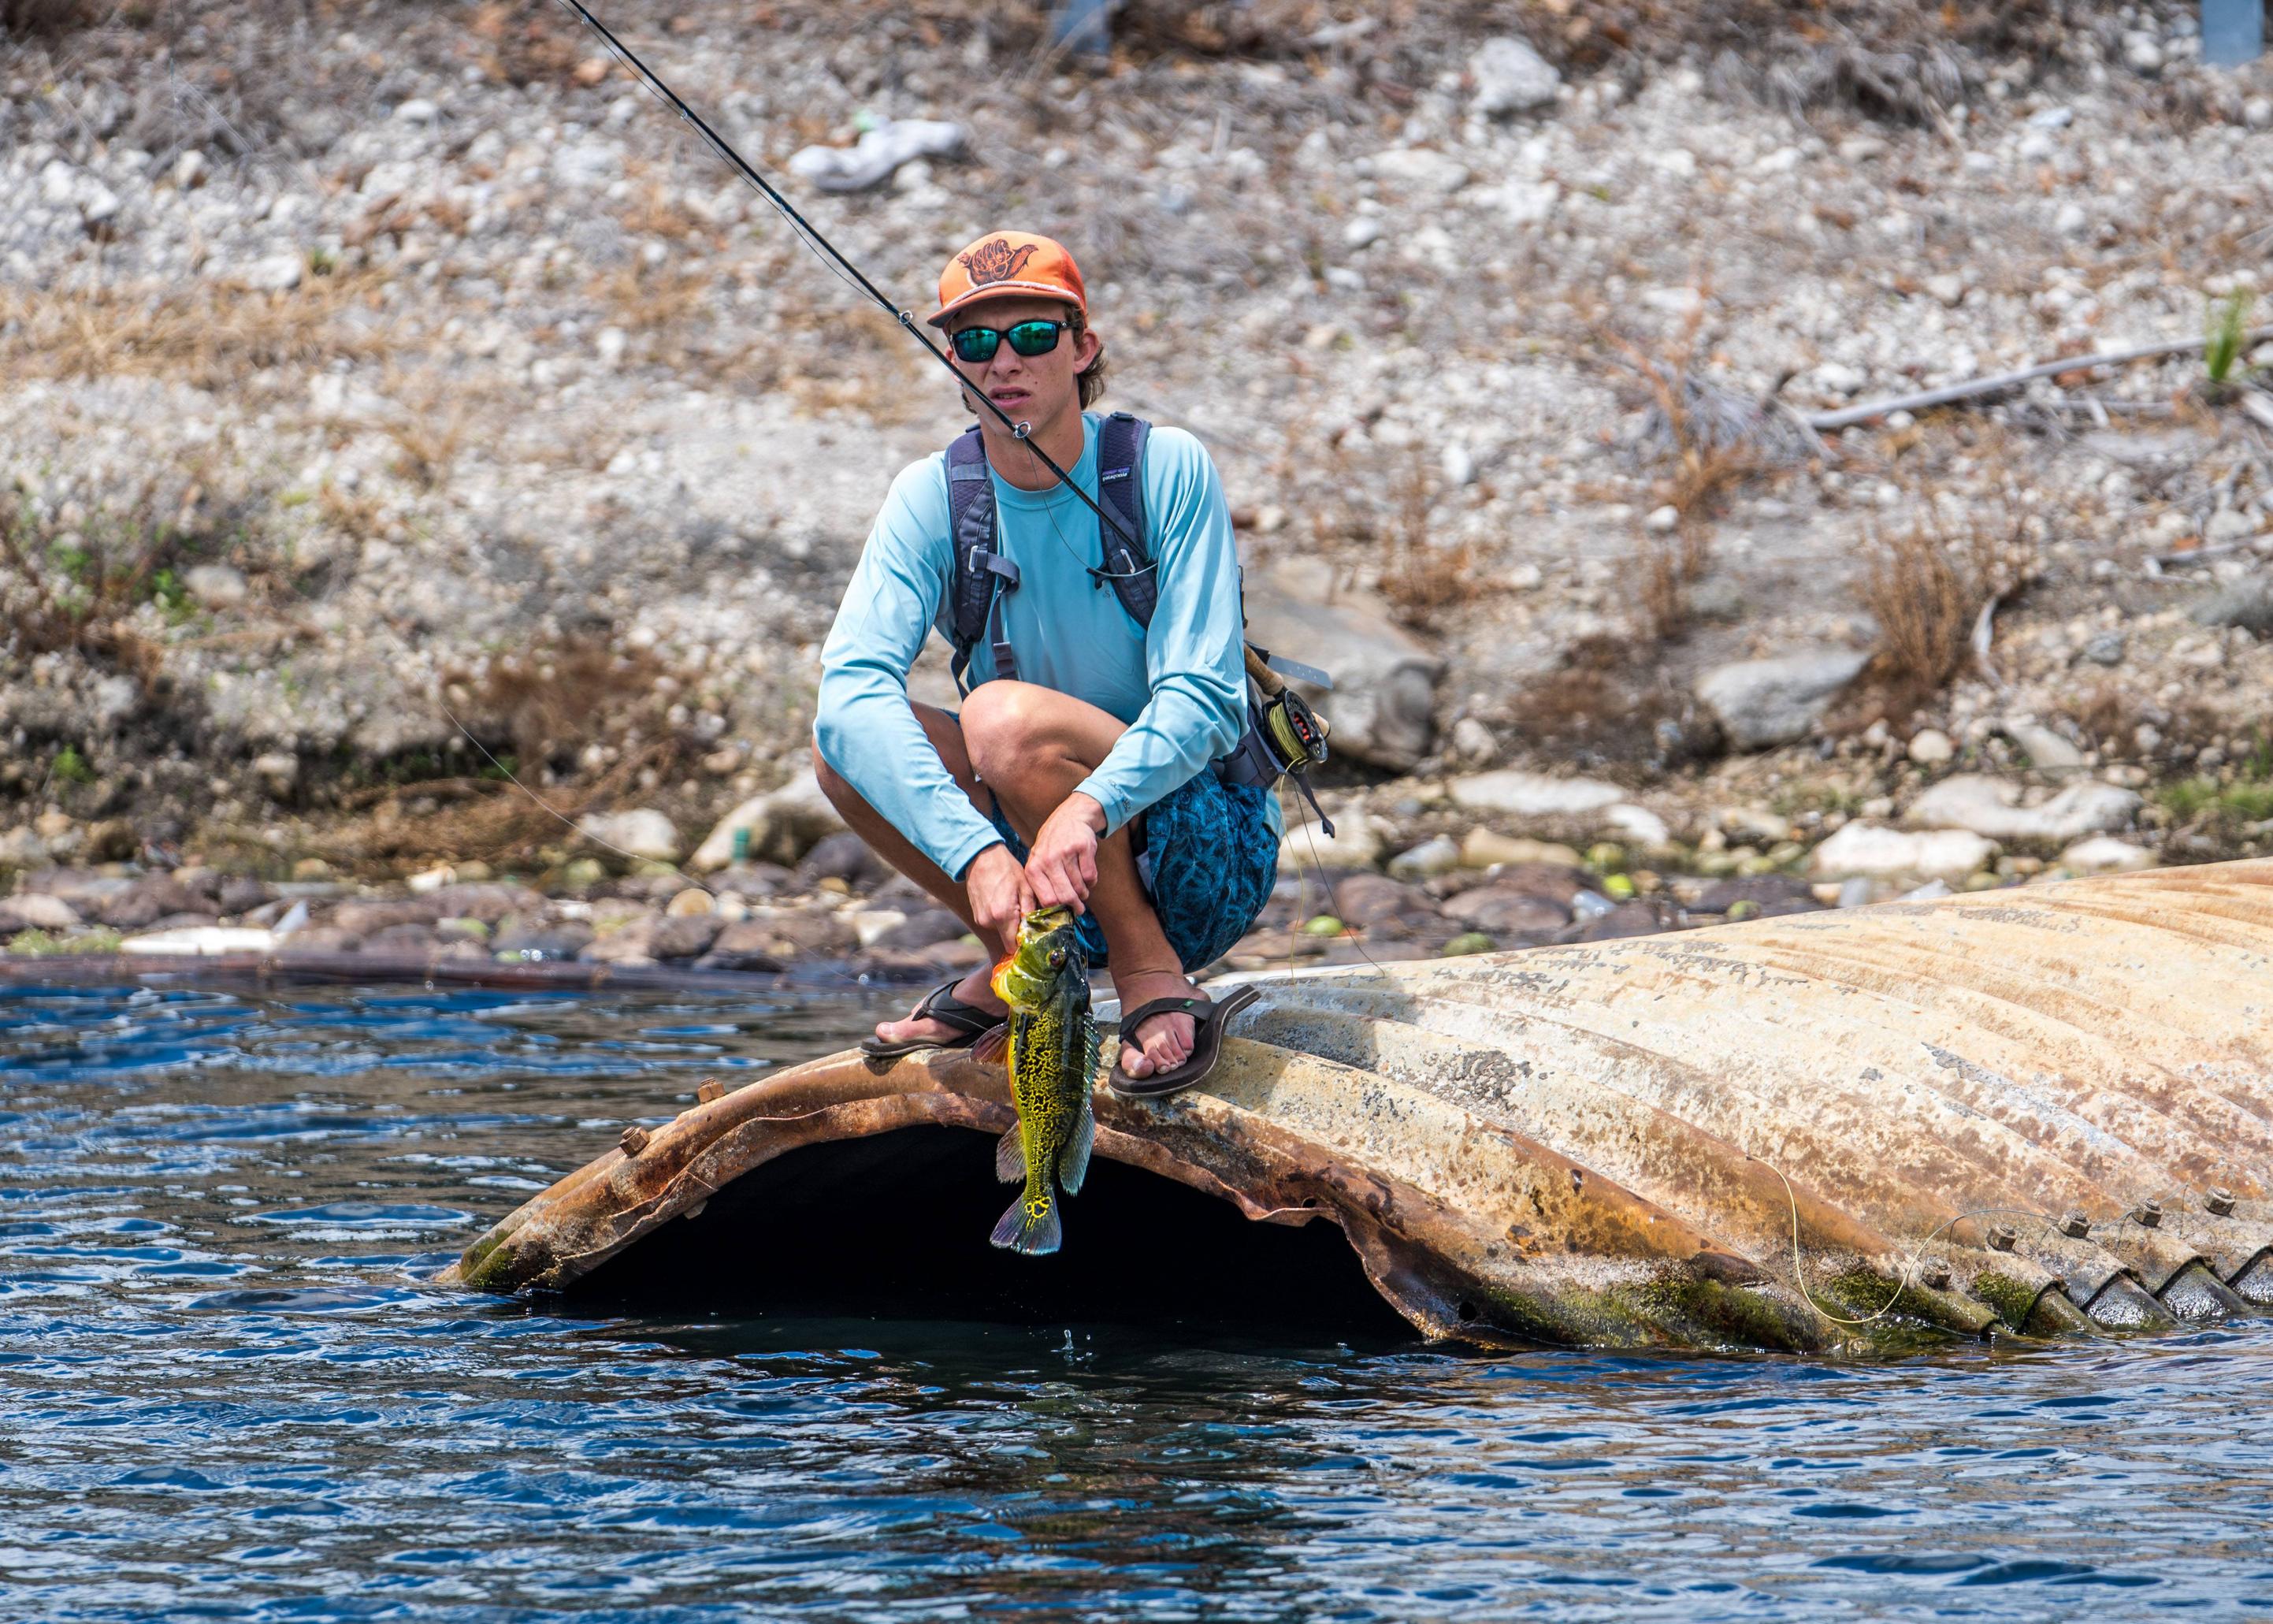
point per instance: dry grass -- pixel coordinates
(1926, 584)
(1421, 579)
(1709, 442)
(202, 334)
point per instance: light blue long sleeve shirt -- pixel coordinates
(1182, 687)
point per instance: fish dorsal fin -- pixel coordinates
(1010, 1156)
(1073, 1161)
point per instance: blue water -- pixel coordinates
(229, 1392)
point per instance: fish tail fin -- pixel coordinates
(1010, 1156)
(1073, 1161)
(1023, 1229)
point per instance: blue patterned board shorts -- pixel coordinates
(1208, 853)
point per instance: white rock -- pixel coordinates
(22, 847)
(57, 182)
(2045, 748)
(1838, 378)
(1510, 792)
(433, 879)
(98, 203)
(35, 909)
(1524, 202)
(189, 170)
(1929, 746)
(610, 345)
(1870, 850)
(199, 940)
(2142, 52)
(2257, 112)
(1362, 232)
(784, 824)
(2106, 854)
(1431, 858)
(1663, 519)
(215, 586)
(2071, 220)
(278, 771)
(275, 274)
(115, 698)
(417, 110)
(640, 833)
(1356, 843)
(1948, 288)
(1460, 465)
(2051, 118)
(1472, 741)
(1512, 78)
(868, 924)
(1987, 805)
(1771, 702)
(1421, 168)
(1637, 826)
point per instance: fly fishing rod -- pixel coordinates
(845, 271)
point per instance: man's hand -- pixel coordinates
(1062, 865)
(1000, 897)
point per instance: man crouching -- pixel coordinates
(1097, 761)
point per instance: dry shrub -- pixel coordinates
(2111, 716)
(1421, 579)
(1926, 584)
(534, 712)
(72, 590)
(28, 20)
(530, 42)
(1609, 704)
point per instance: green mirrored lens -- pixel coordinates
(977, 344)
(1033, 338)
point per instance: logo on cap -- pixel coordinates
(995, 260)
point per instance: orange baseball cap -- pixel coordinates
(1013, 262)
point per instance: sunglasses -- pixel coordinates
(978, 345)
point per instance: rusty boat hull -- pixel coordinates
(2044, 1112)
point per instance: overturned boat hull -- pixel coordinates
(2038, 1111)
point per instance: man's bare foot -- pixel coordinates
(976, 989)
(1165, 1041)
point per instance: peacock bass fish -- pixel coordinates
(1054, 1046)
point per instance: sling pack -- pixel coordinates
(1282, 736)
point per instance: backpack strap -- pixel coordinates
(1121, 492)
(982, 574)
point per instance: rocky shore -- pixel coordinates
(413, 414)
(1485, 862)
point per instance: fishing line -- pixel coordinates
(845, 271)
(579, 829)
(1910, 1269)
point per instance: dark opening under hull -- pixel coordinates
(896, 1226)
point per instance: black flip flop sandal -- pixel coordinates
(1208, 1019)
(940, 1004)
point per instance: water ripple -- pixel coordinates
(230, 1391)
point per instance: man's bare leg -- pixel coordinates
(897, 850)
(1032, 747)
